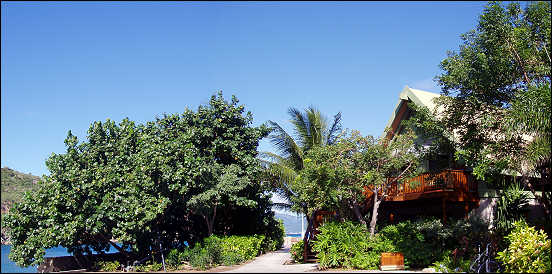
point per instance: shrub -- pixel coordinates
(232, 258)
(173, 258)
(417, 248)
(149, 267)
(215, 250)
(426, 240)
(528, 250)
(275, 237)
(349, 245)
(296, 251)
(448, 264)
(200, 257)
(107, 266)
(248, 247)
(512, 205)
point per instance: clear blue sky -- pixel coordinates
(65, 65)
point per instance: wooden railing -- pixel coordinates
(449, 179)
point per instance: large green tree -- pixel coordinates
(129, 185)
(498, 99)
(312, 129)
(339, 177)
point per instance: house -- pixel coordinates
(451, 192)
(453, 188)
(443, 191)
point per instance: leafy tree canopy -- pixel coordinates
(498, 88)
(341, 176)
(163, 180)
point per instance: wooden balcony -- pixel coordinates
(453, 185)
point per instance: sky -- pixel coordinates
(65, 65)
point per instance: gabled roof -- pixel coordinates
(419, 97)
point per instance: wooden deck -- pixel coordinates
(453, 185)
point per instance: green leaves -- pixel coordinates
(528, 251)
(336, 177)
(311, 130)
(349, 245)
(134, 183)
(511, 206)
(499, 81)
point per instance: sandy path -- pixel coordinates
(273, 262)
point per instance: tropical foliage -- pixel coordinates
(338, 177)
(161, 181)
(528, 250)
(312, 129)
(218, 250)
(296, 251)
(422, 242)
(498, 88)
(512, 205)
(347, 244)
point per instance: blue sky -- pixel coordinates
(65, 65)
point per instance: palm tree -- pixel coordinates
(311, 129)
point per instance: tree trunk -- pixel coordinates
(358, 214)
(520, 62)
(374, 214)
(210, 221)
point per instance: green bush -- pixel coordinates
(512, 205)
(349, 245)
(232, 258)
(422, 242)
(426, 240)
(296, 251)
(200, 257)
(150, 266)
(275, 237)
(248, 247)
(419, 244)
(108, 266)
(529, 250)
(173, 258)
(450, 265)
(216, 250)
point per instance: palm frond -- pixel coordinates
(275, 158)
(281, 177)
(285, 145)
(334, 130)
(301, 126)
(318, 126)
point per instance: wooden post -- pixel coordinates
(466, 210)
(444, 205)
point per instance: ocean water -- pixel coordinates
(293, 235)
(8, 266)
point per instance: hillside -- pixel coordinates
(14, 184)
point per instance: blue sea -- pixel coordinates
(8, 266)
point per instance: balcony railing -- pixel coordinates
(446, 180)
